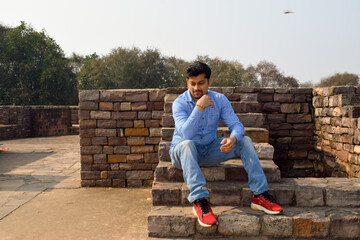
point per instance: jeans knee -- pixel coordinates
(186, 144)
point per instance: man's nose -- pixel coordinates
(197, 87)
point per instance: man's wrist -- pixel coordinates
(200, 107)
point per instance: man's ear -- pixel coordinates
(210, 80)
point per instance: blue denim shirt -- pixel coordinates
(201, 127)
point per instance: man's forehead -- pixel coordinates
(197, 78)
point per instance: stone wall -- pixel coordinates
(34, 121)
(119, 136)
(120, 130)
(337, 111)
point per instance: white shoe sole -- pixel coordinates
(260, 208)
(201, 223)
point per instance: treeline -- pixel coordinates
(34, 70)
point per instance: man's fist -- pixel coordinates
(227, 145)
(204, 102)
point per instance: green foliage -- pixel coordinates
(340, 79)
(34, 69)
(125, 68)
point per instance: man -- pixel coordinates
(197, 113)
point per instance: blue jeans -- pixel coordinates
(189, 156)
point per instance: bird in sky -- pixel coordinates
(288, 12)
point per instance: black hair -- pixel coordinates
(197, 68)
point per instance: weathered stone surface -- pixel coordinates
(134, 141)
(91, 150)
(145, 115)
(157, 95)
(251, 119)
(124, 115)
(265, 97)
(135, 158)
(139, 106)
(342, 197)
(106, 124)
(136, 96)
(279, 97)
(345, 223)
(277, 226)
(155, 132)
(99, 141)
(147, 174)
(271, 107)
(168, 223)
(122, 149)
(298, 118)
(136, 132)
(117, 158)
(105, 132)
(142, 149)
(290, 107)
(106, 106)
(113, 141)
(214, 173)
(88, 106)
(112, 95)
(314, 224)
(99, 115)
(309, 197)
(88, 95)
(166, 193)
(87, 124)
(239, 224)
(125, 106)
(168, 120)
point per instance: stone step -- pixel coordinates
(231, 170)
(245, 223)
(264, 151)
(300, 192)
(247, 119)
(256, 134)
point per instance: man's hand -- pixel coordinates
(227, 144)
(204, 102)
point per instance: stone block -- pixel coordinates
(103, 174)
(342, 197)
(144, 115)
(116, 107)
(88, 106)
(124, 115)
(125, 106)
(309, 197)
(271, 107)
(106, 106)
(122, 149)
(90, 175)
(117, 158)
(225, 196)
(89, 95)
(345, 224)
(90, 150)
(157, 95)
(137, 96)
(277, 226)
(265, 97)
(299, 118)
(157, 114)
(166, 194)
(105, 132)
(239, 224)
(84, 133)
(134, 183)
(153, 140)
(113, 141)
(124, 123)
(86, 159)
(106, 124)
(99, 141)
(276, 118)
(139, 106)
(152, 123)
(233, 96)
(170, 97)
(246, 89)
(120, 174)
(151, 158)
(99, 115)
(142, 149)
(135, 141)
(135, 158)
(290, 107)
(280, 97)
(84, 114)
(155, 132)
(87, 124)
(136, 132)
(112, 95)
(314, 224)
(140, 175)
(118, 183)
(139, 123)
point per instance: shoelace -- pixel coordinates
(204, 205)
(268, 197)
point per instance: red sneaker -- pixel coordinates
(202, 210)
(265, 202)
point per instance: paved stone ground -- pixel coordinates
(40, 191)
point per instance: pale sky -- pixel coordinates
(320, 38)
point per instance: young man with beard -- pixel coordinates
(197, 113)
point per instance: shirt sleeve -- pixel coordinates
(186, 125)
(229, 117)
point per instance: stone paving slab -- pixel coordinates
(301, 192)
(30, 166)
(320, 222)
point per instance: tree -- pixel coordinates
(340, 79)
(269, 76)
(125, 68)
(34, 69)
